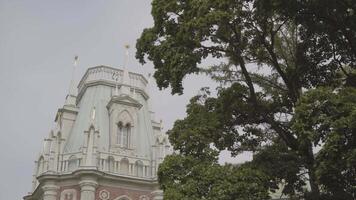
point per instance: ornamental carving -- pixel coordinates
(144, 197)
(104, 195)
(69, 194)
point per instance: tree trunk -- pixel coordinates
(314, 186)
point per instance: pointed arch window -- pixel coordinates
(123, 135)
(119, 133)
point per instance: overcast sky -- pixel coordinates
(38, 41)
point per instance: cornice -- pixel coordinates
(82, 172)
(73, 110)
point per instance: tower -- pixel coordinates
(106, 145)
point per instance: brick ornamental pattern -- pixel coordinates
(117, 192)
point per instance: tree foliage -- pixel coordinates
(187, 177)
(287, 75)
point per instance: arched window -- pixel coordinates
(73, 163)
(126, 136)
(139, 168)
(124, 166)
(123, 135)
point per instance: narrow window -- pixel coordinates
(119, 133)
(123, 135)
(126, 136)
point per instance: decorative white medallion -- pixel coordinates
(104, 195)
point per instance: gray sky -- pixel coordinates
(38, 40)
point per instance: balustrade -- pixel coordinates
(105, 73)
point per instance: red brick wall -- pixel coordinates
(116, 192)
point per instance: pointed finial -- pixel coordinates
(127, 47)
(149, 78)
(71, 97)
(93, 114)
(72, 87)
(126, 76)
(115, 76)
(75, 61)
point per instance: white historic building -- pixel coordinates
(106, 144)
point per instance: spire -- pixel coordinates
(149, 90)
(72, 92)
(126, 77)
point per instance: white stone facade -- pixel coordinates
(106, 144)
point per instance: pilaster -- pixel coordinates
(87, 188)
(50, 191)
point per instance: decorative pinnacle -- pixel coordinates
(93, 114)
(115, 76)
(71, 97)
(75, 61)
(127, 47)
(126, 77)
(72, 87)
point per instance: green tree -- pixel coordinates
(274, 55)
(196, 179)
(328, 117)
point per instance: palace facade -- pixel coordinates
(106, 144)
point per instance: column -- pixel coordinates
(87, 188)
(50, 191)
